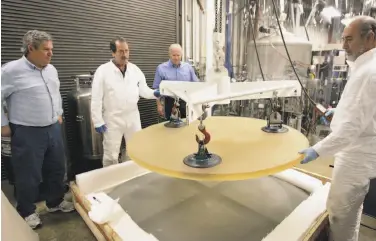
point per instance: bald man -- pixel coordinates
(353, 137)
(174, 69)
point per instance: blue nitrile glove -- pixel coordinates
(101, 129)
(157, 93)
(324, 121)
(309, 155)
(330, 112)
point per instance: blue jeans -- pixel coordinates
(37, 155)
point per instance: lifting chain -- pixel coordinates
(218, 16)
(175, 108)
(202, 128)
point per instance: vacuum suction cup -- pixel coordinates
(274, 129)
(196, 161)
(175, 124)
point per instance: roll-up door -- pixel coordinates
(82, 30)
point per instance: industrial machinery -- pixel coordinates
(273, 58)
(369, 8)
(285, 40)
(258, 53)
(292, 40)
(87, 146)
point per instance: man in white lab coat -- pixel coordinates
(116, 88)
(353, 137)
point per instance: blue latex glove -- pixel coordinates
(309, 155)
(324, 121)
(101, 129)
(330, 112)
(157, 93)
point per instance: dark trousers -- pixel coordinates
(37, 155)
(169, 103)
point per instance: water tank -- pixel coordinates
(273, 57)
(87, 141)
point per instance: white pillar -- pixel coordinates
(210, 20)
(183, 29)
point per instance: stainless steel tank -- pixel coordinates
(6, 154)
(6, 164)
(66, 151)
(79, 102)
(273, 57)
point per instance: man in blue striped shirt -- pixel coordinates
(30, 87)
(174, 69)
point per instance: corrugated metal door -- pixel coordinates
(82, 31)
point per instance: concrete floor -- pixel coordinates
(64, 227)
(56, 226)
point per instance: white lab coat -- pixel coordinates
(353, 142)
(114, 103)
